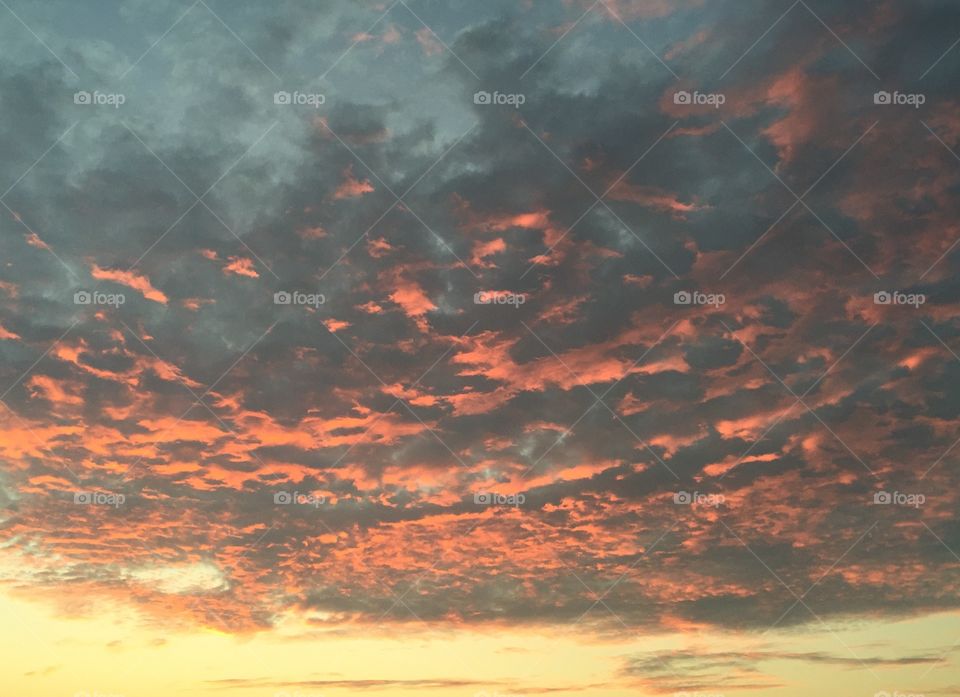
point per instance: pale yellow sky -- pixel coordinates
(115, 652)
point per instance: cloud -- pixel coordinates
(130, 279)
(599, 398)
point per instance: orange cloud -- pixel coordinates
(131, 279)
(411, 297)
(351, 187)
(55, 391)
(241, 267)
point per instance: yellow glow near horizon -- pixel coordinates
(116, 653)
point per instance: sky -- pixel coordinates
(479, 349)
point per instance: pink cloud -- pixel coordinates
(131, 279)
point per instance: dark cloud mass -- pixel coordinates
(686, 381)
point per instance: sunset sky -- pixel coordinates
(473, 348)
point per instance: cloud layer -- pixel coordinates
(685, 406)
